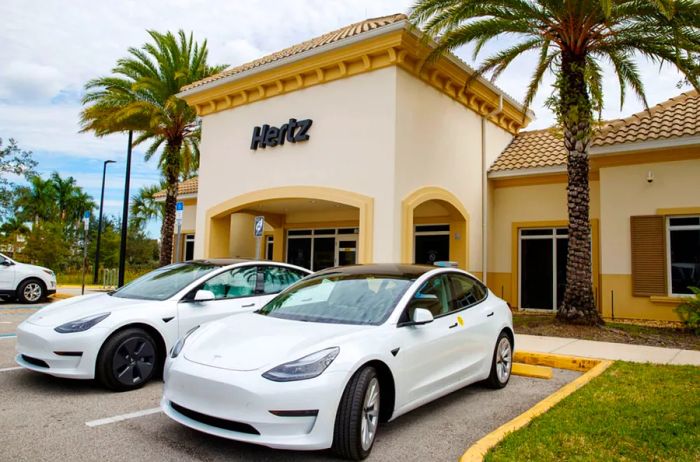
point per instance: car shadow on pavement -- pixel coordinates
(37, 383)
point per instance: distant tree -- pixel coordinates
(13, 161)
(37, 201)
(46, 245)
(140, 96)
(572, 39)
(12, 230)
(144, 207)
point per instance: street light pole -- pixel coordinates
(125, 214)
(99, 223)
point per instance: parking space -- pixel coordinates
(46, 418)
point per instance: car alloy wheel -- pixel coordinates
(370, 414)
(133, 361)
(32, 292)
(504, 358)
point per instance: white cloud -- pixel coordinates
(26, 81)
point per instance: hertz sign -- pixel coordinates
(293, 131)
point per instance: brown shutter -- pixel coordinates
(648, 255)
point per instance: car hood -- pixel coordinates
(252, 341)
(74, 308)
(28, 267)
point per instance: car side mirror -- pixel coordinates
(6, 263)
(419, 317)
(203, 295)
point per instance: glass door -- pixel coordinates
(543, 267)
(346, 251)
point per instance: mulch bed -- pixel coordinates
(667, 337)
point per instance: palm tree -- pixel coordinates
(140, 96)
(37, 202)
(144, 207)
(572, 38)
(65, 189)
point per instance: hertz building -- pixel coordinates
(355, 152)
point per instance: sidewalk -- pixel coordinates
(606, 350)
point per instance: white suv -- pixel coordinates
(28, 283)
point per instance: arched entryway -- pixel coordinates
(435, 227)
(308, 225)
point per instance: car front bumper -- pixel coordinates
(217, 400)
(37, 348)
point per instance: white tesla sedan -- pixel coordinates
(122, 338)
(322, 363)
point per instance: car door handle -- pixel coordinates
(248, 305)
(489, 315)
(454, 325)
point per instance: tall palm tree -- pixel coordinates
(65, 189)
(37, 202)
(140, 96)
(572, 38)
(144, 207)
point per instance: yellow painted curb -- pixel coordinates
(572, 363)
(58, 296)
(478, 450)
(531, 370)
(78, 286)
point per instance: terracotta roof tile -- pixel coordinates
(674, 118)
(186, 187)
(325, 39)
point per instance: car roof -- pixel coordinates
(219, 261)
(382, 269)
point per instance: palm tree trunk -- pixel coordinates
(575, 114)
(171, 170)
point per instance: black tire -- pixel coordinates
(127, 360)
(498, 379)
(31, 291)
(347, 435)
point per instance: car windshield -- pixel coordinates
(340, 299)
(165, 282)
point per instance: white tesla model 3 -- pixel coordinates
(322, 363)
(122, 338)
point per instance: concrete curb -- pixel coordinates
(592, 369)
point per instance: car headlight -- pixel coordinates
(49, 272)
(177, 348)
(304, 368)
(80, 325)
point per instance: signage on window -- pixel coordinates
(294, 131)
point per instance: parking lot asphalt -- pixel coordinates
(45, 418)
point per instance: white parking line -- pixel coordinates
(7, 369)
(5, 322)
(119, 418)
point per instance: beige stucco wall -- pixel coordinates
(438, 143)
(351, 148)
(535, 203)
(626, 192)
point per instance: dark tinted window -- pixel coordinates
(277, 278)
(433, 296)
(239, 282)
(465, 292)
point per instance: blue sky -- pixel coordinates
(51, 48)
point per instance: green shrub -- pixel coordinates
(689, 311)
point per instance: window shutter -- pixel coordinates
(648, 255)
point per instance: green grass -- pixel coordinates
(77, 277)
(633, 412)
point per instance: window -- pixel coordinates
(466, 292)
(276, 278)
(432, 296)
(431, 244)
(269, 247)
(189, 247)
(164, 282)
(683, 254)
(239, 282)
(365, 299)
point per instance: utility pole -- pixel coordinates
(99, 222)
(86, 225)
(125, 214)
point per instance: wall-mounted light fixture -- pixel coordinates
(650, 176)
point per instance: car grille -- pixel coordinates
(231, 425)
(35, 361)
